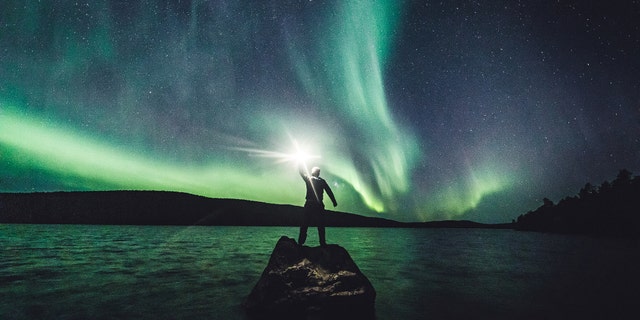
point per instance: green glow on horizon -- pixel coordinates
(459, 197)
(79, 158)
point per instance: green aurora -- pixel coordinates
(356, 49)
(167, 96)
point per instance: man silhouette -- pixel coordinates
(313, 206)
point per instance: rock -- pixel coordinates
(304, 281)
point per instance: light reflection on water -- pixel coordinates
(151, 272)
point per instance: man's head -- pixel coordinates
(315, 171)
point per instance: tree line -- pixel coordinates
(611, 209)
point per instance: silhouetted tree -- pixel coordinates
(611, 209)
(623, 178)
(587, 191)
(605, 187)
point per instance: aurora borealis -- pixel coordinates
(419, 110)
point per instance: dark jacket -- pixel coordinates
(316, 186)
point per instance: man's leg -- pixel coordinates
(302, 237)
(321, 235)
(320, 224)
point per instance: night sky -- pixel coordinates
(415, 111)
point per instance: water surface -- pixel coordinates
(152, 272)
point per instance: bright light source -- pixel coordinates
(298, 156)
(301, 155)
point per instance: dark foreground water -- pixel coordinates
(150, 272)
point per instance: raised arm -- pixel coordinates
(301, 172)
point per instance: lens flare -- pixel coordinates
(296, 154)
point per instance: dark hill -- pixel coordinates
(174, 208)
(458, 224)
(158, 208)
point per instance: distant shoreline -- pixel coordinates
(175, 208)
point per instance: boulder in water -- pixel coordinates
(304, 281)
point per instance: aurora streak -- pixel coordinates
(414, 111)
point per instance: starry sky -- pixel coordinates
(414, 110)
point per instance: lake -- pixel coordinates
(156, 272)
